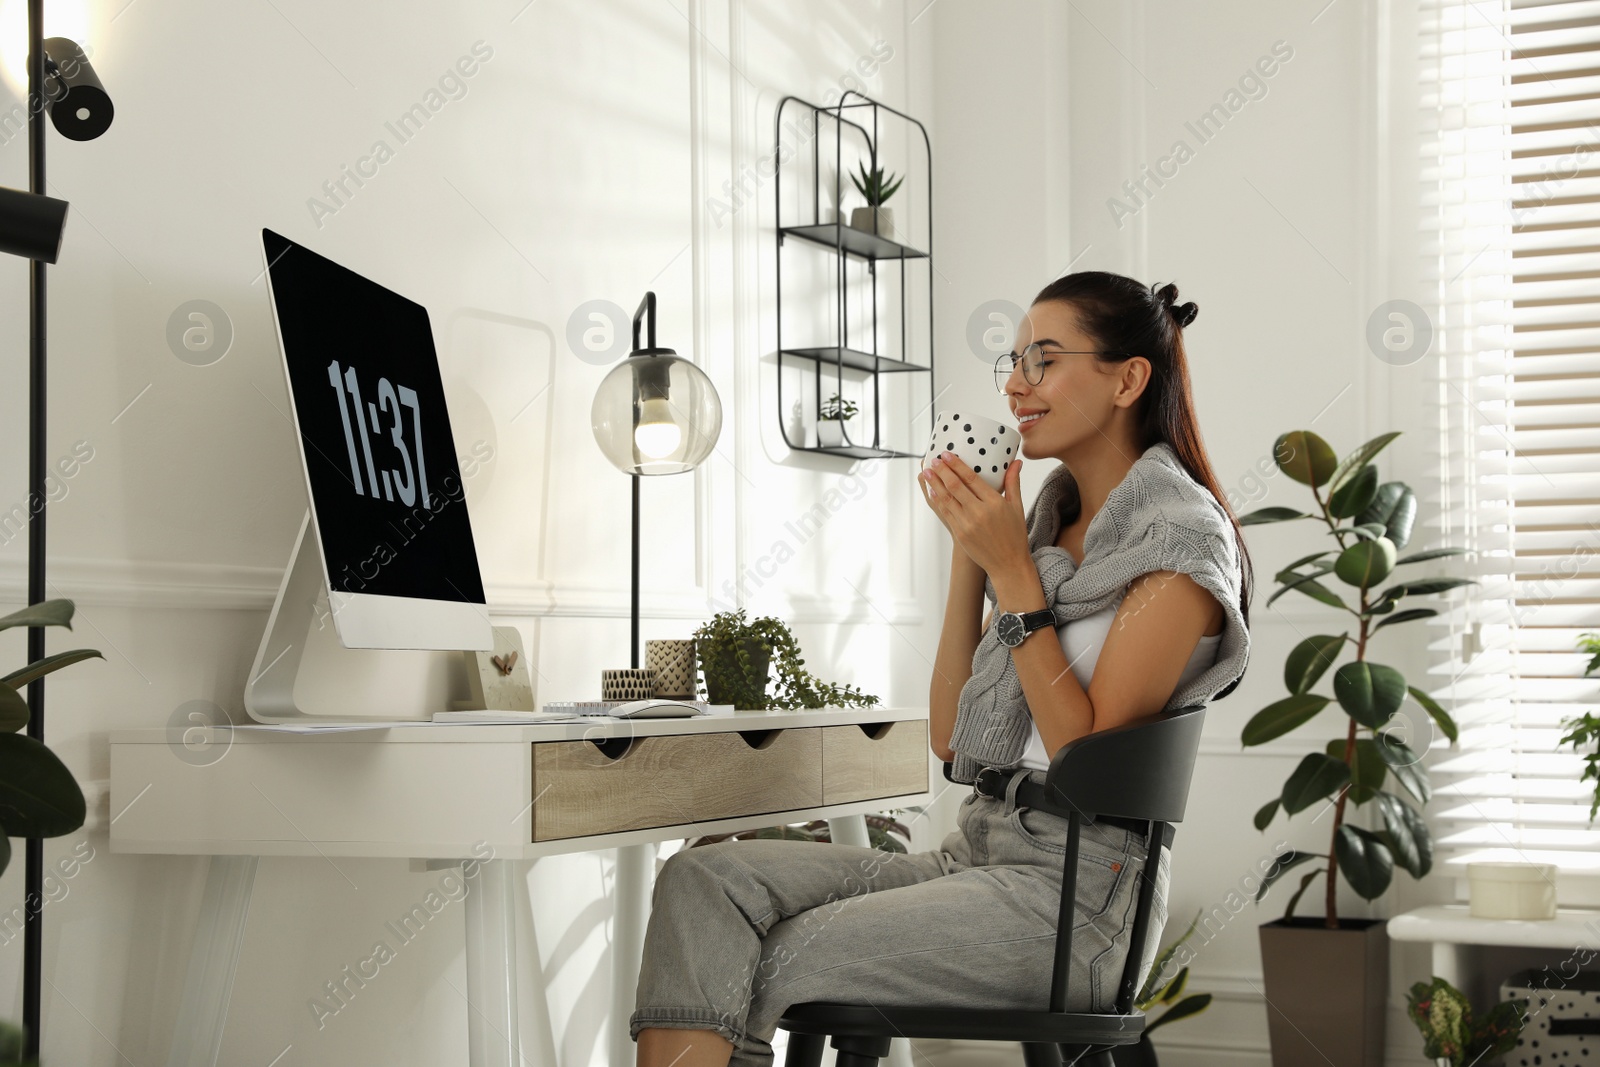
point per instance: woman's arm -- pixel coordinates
(1156, 630)
(959, 638)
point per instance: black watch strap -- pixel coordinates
(1037, 620)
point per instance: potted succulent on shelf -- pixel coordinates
(1450, 1034)
(877, 188)
(830, 421)
(735, 656)
(1160, 990)
(1340, 1004)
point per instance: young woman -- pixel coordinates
(742, 930)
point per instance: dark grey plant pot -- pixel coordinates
(1327, 991)
(728, 663)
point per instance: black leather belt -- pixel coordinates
(992, 782)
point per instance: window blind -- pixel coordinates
(1511, 234)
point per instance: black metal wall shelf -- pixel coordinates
(851, 245)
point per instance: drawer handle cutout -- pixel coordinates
(877, 731)
(759, 739)
(613, 748)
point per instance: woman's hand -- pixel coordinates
(991, 527)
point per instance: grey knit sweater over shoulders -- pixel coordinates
(1158, 518)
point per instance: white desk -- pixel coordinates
(496, 794)
(1452, 930)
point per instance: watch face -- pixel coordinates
(1009, 629)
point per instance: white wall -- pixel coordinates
(586, 160)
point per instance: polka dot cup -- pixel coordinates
(985, 445)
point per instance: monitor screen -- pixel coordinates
(386, 490)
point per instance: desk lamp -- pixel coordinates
(62, 83)
(654, 413)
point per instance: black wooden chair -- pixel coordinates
(1137, 771)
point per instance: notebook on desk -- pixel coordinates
(638, 709)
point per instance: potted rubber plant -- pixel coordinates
(1340, 1002)
(877, 188)
(1158, 990)
(736, 656)
(831, 419)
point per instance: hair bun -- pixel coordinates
(1182, 314)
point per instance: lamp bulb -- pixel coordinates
(658, 434)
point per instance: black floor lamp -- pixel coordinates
(62, 83)
(655, 413)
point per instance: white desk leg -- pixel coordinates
(852, 830)
(636, 868)
(213, 960)
(492, 1039)
(1449, 961)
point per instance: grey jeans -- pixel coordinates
(741, 930)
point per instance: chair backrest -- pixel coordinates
(1140, 770)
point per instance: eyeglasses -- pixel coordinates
(1033, 364)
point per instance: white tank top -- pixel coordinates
(1081, 640)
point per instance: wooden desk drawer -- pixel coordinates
(874, 760)
(580, 789)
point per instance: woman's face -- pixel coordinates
(1078, 395)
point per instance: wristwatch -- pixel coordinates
(1013, 629)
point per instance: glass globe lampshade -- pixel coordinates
(656, 413)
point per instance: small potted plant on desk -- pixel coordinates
(877, 188)
(736, 655)
(830, 421)
(1341, 1003)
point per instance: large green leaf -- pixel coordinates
(1367, 770)
(1305, 457)
(1430, 553)
(1365, 860)
(1313, 589)
(1284, 863)
(1291, 571)
(44, 613)
(1305, 883)
(1310, 659)
(1406, 834)
(1182, 1010)
(1318, 777)
(1370, 692)
(1356, 461)
(1366, 563)
(41, 667)
(1395, 506)
(1447, 725)
(1424, 587)
(1406, 765)
(38, 796)
(1265, 515)
(1407, 615)
(1281, 716)
(14, 711)
(1266, 814)
(1354, 494)
(1367, 531)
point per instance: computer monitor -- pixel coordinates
(388, 504)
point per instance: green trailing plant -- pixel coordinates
(1370, 522)
(875, 186)
(881, 833)
(1585, 729)
(1451, 1032)
(835, 409)
(1169, 992)
(734, 655)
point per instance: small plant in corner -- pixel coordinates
(1370, 522)
(1585, 729)
(735, 655)
(1451, 1035)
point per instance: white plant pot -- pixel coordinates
(862, 219)
(830, 433)
(1512, 890)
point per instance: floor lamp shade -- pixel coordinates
(79, 105)
(31, 224)
(656, 413)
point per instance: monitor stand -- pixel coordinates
(303, 675)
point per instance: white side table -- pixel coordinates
(1452, 930)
